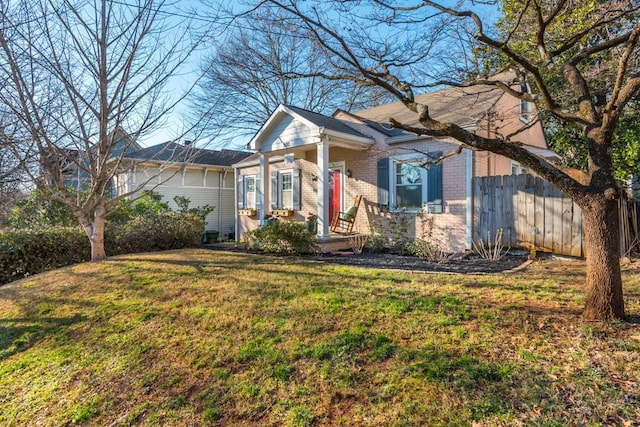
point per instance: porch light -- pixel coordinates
(349, 173)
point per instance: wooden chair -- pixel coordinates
(343, 222)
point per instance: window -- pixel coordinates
(247, 190)
(286, 190)
(415, 186)
(517, 169)
(250, 192)
(408, 185)
(525, 106)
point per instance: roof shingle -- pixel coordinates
(173, 152)
(461, 106)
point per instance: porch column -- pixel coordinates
(263, 199)
(323, 187)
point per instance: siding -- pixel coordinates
(222, 218)
(293, 131)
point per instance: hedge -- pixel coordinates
(24, 252)
(158, 232)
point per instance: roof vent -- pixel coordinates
(187, 142)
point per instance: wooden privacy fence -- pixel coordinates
(534, 214)
(531, 212)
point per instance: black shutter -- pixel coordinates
(434, 180)
(383, 183)
(296, 175)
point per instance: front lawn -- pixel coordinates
(197, 337)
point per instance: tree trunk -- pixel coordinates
(604, 300)
(97, 244)
(94, 229)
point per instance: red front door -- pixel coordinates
(335, 193)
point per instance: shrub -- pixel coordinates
(40, 210)
(30, 251)
(491, 250)
(282, 237)
(183, 203)
(428, 250)
(149, 203)
(154, 232)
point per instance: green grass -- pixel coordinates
(197, 337)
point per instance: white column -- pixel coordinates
(263, 200)
(323, 188)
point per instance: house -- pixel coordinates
(75, 163)
(172, 169)
(308, 163)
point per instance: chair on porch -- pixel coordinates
(343, 222)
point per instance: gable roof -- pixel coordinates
(179, 153)
(462, 106)
(326, 122)
(383, 128)
(316, 124)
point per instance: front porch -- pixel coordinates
(304, 165)
(335, 242)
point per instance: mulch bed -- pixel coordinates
(466, 264)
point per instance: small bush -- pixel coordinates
(184, 202)
(282, 237)
(430, 251)
(491, 250)
(376, 243)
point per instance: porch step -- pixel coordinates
(335, 243)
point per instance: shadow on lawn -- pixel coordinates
(19, 334)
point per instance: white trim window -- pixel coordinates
(247, 191)
(408, 185)
(416, 186)
(250, 192)
(286, 190)
(517, 168)
(525, 106)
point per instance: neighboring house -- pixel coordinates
(75, 177)
(204, 176)
(308, 163)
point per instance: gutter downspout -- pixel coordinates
(221, 179)
(235, 204)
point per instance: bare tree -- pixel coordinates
(556, 48)
(12, 174)
(75, 73)
(265, 61)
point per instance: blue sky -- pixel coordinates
(177, 123)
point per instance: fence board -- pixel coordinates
(477, 206)
(499, 212)
(508, 233)
(549, 195)
(532, 213)
(557, 224)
